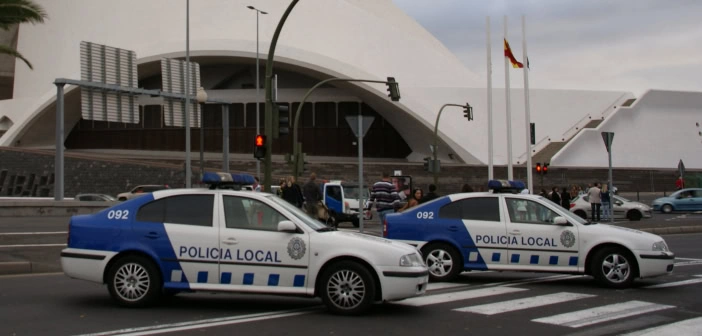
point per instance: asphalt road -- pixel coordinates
(487, 303)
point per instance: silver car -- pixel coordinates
(622, 207)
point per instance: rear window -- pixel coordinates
(474, 208)
(182, 209)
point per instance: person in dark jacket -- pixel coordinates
(565, 198)
(555, 195)
(291, 192)
(430, 195)
(312, 195)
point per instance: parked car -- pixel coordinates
(622, 208)
(503, 231)
(342, 200)
(95, 198)
(689, 199)
(140, 190)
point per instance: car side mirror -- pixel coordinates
(561, 221)
(287, 226)
(618, 203)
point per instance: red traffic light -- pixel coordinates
(538, 167)
(545, 168)
(260, 140)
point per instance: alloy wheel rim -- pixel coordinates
(346, 289)
(132, 282)
(616, 268)
(439, 262)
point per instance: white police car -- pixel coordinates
(516, 232)
(235, 241)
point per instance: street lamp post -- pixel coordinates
(202, 99)
(258, 99)
(436, 137)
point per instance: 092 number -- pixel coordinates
(425, 215)
(118, 214)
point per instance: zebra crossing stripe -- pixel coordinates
(524, 303)
(443, 285)
(590, 316)
(457, 296)
(676, 283)
(686, 327)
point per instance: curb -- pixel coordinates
(673, 230)
(15, 267)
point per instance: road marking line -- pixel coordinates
(543, 279)
(182, 326)
(524, 303)
(686, 327)
(591, 316)
(32, 233)
(32, 245)
(444, 285)
(676, 283)
(457, 296)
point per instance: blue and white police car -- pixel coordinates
(184, 240)
(508, 231)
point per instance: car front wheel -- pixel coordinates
(634, 215)
(613, 267)
(347, 288)
(134, 281)
(444, 262)
(667, 208)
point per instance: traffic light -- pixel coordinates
(281, 120)
(260, 146)
(533, 133)
(468, 111)
(393, 89)
(427, 162)
(538, 168)
(545, 168)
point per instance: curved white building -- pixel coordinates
(323, 39)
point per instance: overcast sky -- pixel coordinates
(621, 45)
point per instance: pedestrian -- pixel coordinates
(384, 196)
(430, 195)
(593, 195)
(414, 199)
(565, 198)
(606, 204)
(679, 183)
(555, 195)
(543, 193)
(580, 191)
(466, 188)
(291, 192)
(312, 195)
(257, 184)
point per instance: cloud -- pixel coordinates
(624, 45)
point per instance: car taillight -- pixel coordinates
(385, 228)
(572, 205)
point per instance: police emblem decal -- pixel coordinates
(296, 248)
(567, 238)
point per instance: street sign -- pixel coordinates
(173, 81)
(608, 138)
(681, 168)
(365, 122)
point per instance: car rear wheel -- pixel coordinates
(582, 214)
(443, 260)
(634, 215)
(667, 208)
(347, 288)
(134, 281)
(613, 267)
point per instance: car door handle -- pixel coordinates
(453, 228)
(516, 233)
(152, 235)
(230, 241)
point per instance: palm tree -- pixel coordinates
(15, 12)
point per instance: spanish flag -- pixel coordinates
(508, 54)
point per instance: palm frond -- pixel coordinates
(12, 52)
(20, 11)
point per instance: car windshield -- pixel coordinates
(309, 221)
(565, 213)
(352, 192)
(621, 199)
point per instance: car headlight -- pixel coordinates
(411, 260)
(660, 246)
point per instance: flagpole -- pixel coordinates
(510, 175)
(489, 98)
(530, 182)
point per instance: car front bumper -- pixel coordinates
(403, 282)
(652, 263)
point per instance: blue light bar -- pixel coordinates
(216, 178)
(243, 179)
(505, 186)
